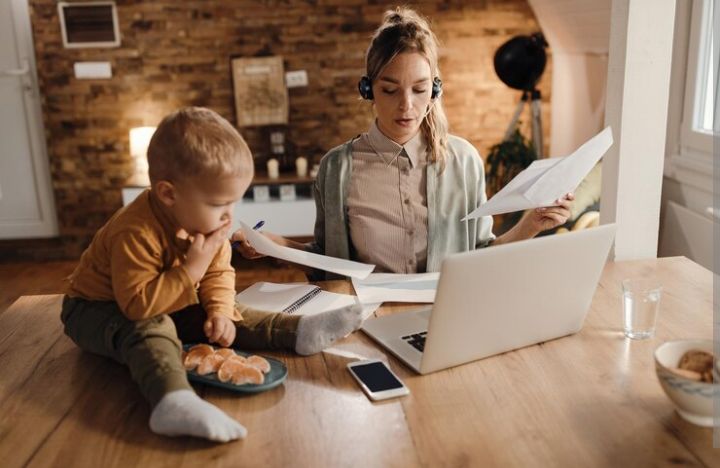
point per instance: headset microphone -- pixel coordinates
(429, 109)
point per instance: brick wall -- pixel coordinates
(177, 53)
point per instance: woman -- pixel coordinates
(395, 196)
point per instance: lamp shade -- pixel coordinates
(139, 141)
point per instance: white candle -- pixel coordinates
(273, 168)
(301, 166)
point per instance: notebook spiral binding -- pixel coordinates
(299, 303)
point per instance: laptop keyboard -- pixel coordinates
(416, 340)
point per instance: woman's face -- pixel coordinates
(402, 96)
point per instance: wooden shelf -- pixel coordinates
(261, 178)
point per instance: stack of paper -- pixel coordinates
(390, 287)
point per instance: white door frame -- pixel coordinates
(46, 225)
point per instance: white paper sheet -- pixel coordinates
(390, 287)
(547, 180)
(267, 247)
(274, 297)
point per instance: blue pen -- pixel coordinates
(259, 224)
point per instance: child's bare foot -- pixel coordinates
(182, 412)
(317, 332)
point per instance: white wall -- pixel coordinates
(578, 33)
(578, 104)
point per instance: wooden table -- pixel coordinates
(587, 400)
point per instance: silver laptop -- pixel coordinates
(500, 298)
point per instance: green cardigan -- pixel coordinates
(451, 195)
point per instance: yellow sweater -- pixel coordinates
(136, 260)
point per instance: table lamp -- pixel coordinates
(139, 141)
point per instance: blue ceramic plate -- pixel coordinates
(277, 375)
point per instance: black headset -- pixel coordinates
(365, 88)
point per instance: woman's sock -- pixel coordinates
(182, 412)
(317, 332)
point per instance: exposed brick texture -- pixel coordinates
(176, 53)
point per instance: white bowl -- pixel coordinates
(693, 400)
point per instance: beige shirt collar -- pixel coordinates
(387, 149)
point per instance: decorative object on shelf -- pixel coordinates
(273, 168)
(261, 97)
(314, 171)
(139, 141)
(277, 142)
(261, 193)
(89, 24)
(287, 192)
(301, 165)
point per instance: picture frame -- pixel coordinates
(89, 24)
(261, 97)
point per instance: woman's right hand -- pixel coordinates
(242, 245)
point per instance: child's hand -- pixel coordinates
(203, 250)
(219, 329)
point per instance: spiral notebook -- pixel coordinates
(299, 299)
(275, 297)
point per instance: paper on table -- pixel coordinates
(267, 247)
(546, 180)
(390, 287)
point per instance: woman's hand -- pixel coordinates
(242, 245)
(535, 221)
(541, 219)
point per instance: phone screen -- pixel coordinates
(376, 376)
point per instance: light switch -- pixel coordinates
(295, 79)
(92, 70)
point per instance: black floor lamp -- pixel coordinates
(520, 63)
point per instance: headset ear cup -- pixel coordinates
(436, 88)
(365, 88)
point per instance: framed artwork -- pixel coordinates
(89, 24)
(261, 96)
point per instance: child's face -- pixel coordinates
(204, 205)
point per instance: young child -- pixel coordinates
(158, 273)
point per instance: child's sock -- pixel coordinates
(317, 332)
(182, 412)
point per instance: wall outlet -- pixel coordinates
(92, 70)
(295, 79)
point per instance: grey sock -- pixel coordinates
(317, 332)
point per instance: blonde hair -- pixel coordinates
(196, 141)
(404, 30)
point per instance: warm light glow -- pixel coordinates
(139, 141)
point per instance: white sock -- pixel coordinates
(182, 412)
(317, 332)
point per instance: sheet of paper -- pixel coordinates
(267, 247)
(390, 287)
(546, 180)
